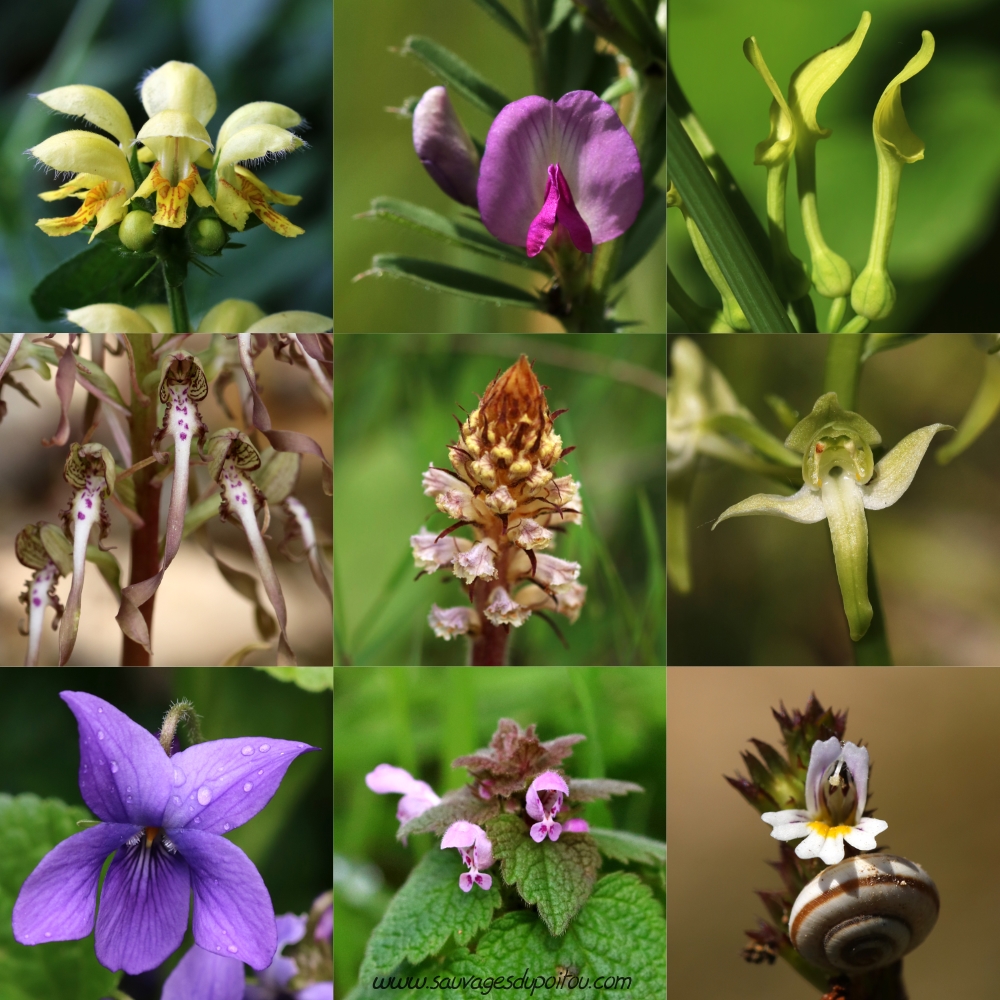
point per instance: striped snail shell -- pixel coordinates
(863, 913)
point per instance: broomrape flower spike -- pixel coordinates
(873, 294)
(841, 480)
(836, 793)
(503, 487)
(164, 818)
(476, 851)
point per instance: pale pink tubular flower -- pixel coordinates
(417, 798)
(543, 802)
(449, 622)
(476, 851)
(567, 167)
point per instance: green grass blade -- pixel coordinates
(339, 618)
(727, 241)
(372, 615)
(503, 17)
(655, 587)
(445, 278)
(434, 224)
(444, 64)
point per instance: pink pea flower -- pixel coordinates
(567, 167)
(417, 798)
(543, 802)
(476, 851)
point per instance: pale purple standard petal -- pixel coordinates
(124, 773)
(203, 975)
(594, 152)
(232, 909)
(56, 902)
(217, 786)
(144, 908)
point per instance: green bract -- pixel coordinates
(840, 482)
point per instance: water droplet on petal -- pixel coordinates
(197, 819)
(218, 947)
(179, 778)
(246, 751)
(100, 734)
(128, 798)
(204, 795)
(128, 788)
(177, 800)
(247, 786)
(100, 711)
(114, 767)
(48, 933)
(260, 772)
(225, 826)
(264, 747)
(233, 949)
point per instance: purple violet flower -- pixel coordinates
(164, 819)
(444, 147)
(465, 835)
(417, 798)
(567, 167)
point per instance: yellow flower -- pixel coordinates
(228, 316)
(102, 178)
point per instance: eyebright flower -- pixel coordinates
(164, 818)
(567, 167)
(476, 851)
(444, 147)
(836, 792)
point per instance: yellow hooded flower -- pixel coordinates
(180, 100)
(102, 177)
(228, 316)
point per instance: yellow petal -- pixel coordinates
(107, 317)
(175, 124)
(230, 316)
(257, 113)
(159, 316)
(171, 200)
(94, 104)
(70, 224)
(206, 160)
(292, 322)
(179, 86)
(85, 152)
(111, 212)
(269, 193)
(200, 193)
(890, 127)
(231, 206)
(780, 143)
(817, 75)
(273, 220)
(255, 142)
(76, 188)
(146, 155)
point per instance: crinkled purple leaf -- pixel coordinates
(218, 786)
(144, 908)
(232, 909)
(203, 975)
(56, 901)
(125, 777)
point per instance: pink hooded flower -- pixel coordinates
(546, 805)
(476, 851)
(417, 798)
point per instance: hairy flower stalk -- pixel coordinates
(45, 549)
(503, 487)
(90, 470)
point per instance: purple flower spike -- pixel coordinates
(444, 147)
(569, 161)
(163, 817)
(464, 835)
(544, 806)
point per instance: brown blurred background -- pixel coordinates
(199, 619)
(932, 735)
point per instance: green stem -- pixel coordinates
(536, 48)
(872, 649)
(178, 309)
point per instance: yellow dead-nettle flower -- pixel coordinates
(228, 316)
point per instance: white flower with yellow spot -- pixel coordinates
(836, 793)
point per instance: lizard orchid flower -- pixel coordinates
(566, 167)
(45, 549)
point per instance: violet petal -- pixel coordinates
(144, 908)
(317, 991)
(222, 786)
(119, 761)
(56, 901)
(594, 152)
(232, 908)
(204, 975)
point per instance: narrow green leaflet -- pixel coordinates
(645, 231)
(427, 910)
(307, 678)
(434, 224)
(444, 64)
(108, 566)
(502, 16)
(755, 436)
(66, 970)
(445, 278)
(556, 876)
(877, 342)
(624, 846)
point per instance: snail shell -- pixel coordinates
(863, 913)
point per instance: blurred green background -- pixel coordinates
(394, 399)
(274, 50)
(947, 239)
(289, 840)
(930, 733)
(423, 719)
(374, 156)
(765, 589)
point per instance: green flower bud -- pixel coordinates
(136, 231)
(209, 236)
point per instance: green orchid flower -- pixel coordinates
(840, 481)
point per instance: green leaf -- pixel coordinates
(877, 342)
(561, 9)
(109, 568)
(65, 970)
(429, 909)
(445, 278)
(755, 436)
(624, 846)
(201, 513)
(104, 385)
(638, 24)
(729, 244)
(556, 876)
(307, 678)
(98, 274)
(503, 17)
(444, 64)
(645, 231)
(442, 228)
